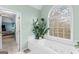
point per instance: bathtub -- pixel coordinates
(50, 46)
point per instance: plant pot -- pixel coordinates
(40, 41)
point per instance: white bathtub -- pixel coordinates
(51, 46)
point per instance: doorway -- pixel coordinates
(10, 29)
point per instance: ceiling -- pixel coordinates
(39, 7)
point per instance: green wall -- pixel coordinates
(45, 12)
(76, 23)
(28, 13)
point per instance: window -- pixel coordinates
(60, 20)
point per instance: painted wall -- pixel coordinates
(76, 23)
(46, 9)
(28, 13)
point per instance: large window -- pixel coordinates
(60, 20)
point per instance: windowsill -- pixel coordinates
(61, 40)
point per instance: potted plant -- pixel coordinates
(40, 29)
(77, 46)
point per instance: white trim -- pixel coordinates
(16, 13)
(71, 10)
(7, 10)
(72, 24)
(18, 28)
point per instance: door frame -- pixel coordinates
(18, 17)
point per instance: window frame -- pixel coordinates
(57, 38)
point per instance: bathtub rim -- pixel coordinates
(60, 40)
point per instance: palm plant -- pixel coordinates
(40, 28)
